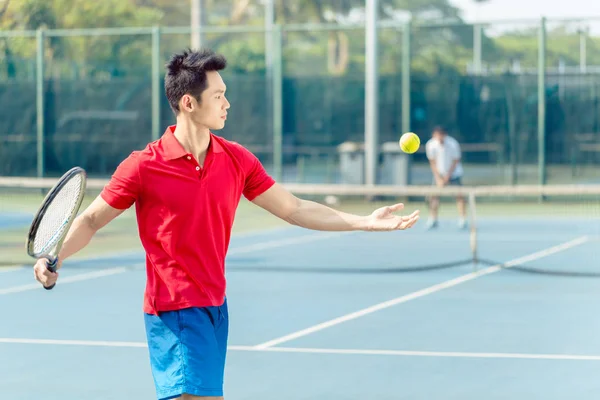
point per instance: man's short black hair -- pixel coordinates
(440, 129)
(186, 74)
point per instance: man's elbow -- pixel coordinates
(291, 212)
(98, 215)
(96, 220)
(88, 221)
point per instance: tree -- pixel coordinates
(88, 55)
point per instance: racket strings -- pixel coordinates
(58, 215)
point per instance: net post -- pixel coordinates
(277, 99)
(406, 78)
(406, 52)
(39, 80)
(473, 228)
(477, 33)
(583, 50)
(269, 37)
(155, 83)
(371, 92)
(542, 103)
(269, 12)
(197, 22)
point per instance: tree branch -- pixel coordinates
(238, 11)
(4, 8)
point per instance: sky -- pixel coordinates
(503, 9)
(494, 10)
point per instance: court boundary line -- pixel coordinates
(314, 350)
(131, 253)
(100, 273)
(10, 268)
(270, 244)
(423, 292)
(417, 353)
(72, 279)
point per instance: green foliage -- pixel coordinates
(323, 74)
(305, 53)
(77, 56)
(561, 43)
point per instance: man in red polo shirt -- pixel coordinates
(186, 187)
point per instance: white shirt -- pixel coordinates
(444, 155)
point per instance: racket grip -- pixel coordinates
(52, 268)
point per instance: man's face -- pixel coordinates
(211, 112)
(439, 136)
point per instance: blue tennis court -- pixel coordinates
(336, 315)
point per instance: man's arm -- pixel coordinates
(456, 155)
(84, 227)
(451, 170)
(311, 215)
(436, 174)
(434, 170)
(430, 152)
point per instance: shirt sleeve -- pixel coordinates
(430, 150)
(123, 187)
(456, 153)
(257, 179)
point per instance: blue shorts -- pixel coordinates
(452, 182)
(187, 351)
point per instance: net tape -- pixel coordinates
(368, 190)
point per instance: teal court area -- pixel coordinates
(402, 315)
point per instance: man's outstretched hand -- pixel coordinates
(384, 219)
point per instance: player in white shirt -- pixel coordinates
(444, 155)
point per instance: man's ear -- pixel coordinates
(187, 103)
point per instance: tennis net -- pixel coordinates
(504, 224)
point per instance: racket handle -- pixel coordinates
(52, 268)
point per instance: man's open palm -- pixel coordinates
(384, 219)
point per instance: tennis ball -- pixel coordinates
(409, 142)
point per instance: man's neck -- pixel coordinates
(195, 140)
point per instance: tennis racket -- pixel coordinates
(55, 216)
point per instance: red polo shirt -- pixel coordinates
(185, 214)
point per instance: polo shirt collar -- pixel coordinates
(173, 149)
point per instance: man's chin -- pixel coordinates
(217, 127)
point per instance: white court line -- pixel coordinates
(92, 343)
(10, 268)
(129, 253)
(285, 242)
(397, 353)
(113, 271)
(423, 292)
(72, 279)
(504, 238)
(408, 353)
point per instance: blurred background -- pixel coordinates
(81, 83)
(321, 91)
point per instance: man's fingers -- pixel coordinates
(414, 221)
(414, 213)
(411, 222)
(396, 207)
(411, 216)
(43, 275)
(50, 278)
(408, 221)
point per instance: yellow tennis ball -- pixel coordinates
(410, 142)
